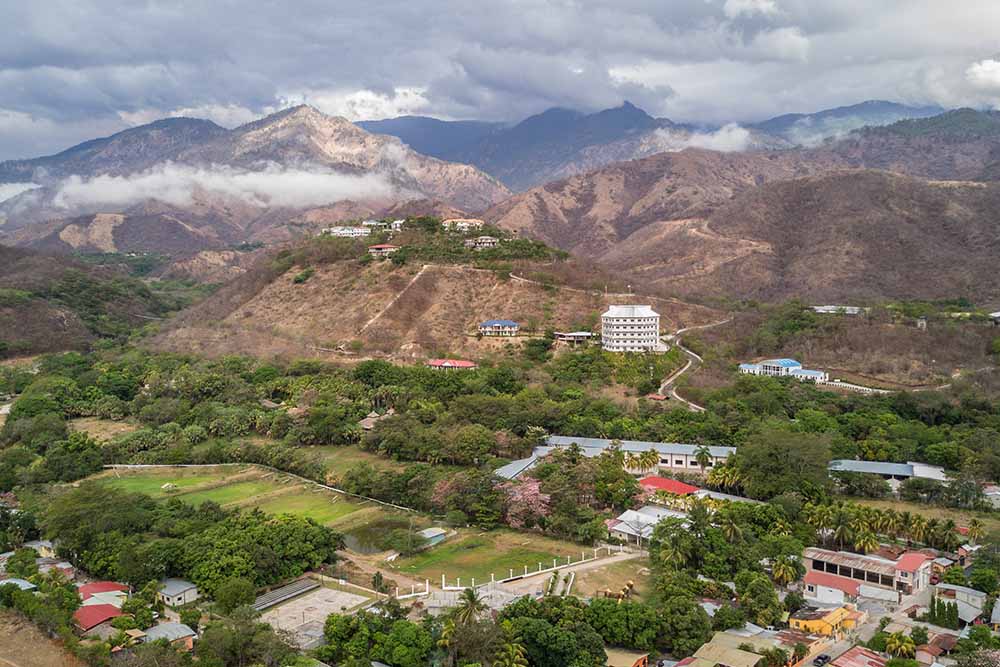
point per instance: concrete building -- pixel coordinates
(382, 249)
(784, 368)
(894, 473)
(829, 622)
(855, 575)
(44, 548)
(673, 456)
(177, 635)
(96, 620)
(462, 224)
(347, 232)
(177, 592)
(996, 318)
(636, 526)
(498, 328)
(433, 536)
(631, 329)
(482, 242)
(573, 337)
(839, 310)
(971, 602)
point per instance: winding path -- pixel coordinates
(693, 360)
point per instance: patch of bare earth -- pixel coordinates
(22, 644)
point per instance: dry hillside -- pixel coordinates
(407, 312)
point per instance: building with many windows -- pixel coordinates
(347, 232)
(784, 368)
(499, 328)
(631, 329)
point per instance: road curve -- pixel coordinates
(668, 388)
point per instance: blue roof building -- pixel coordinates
(784, 368)
(499, 328)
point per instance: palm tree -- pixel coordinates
(731, 529)
(866, 541)
(918, 528)
(975, 530)
(841, 524)
(780, 527)
(511, 653)
(650, 459)
(445, 642)
(892, 524)
(470, 606)
(703, 456)
(820, 517)
(906, 525)
(800, 651)
(900, 645)
(675, 553)
(784, 571)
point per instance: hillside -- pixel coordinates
(892, 237)
(813, 128)
(407, 312)
(49, 304)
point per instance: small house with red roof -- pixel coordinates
(859, 656)
(103, 592)
(382, 249)
(654, 483)
(450, 364)
(913, 571)
(96, 620)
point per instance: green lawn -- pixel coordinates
(230, 493)
(323, 507)
(481, 554)
(150, 482)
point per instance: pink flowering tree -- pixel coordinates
(526, 504)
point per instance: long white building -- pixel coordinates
(631, 329)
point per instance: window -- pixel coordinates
(810, 588)
(904, 575)
(678, 462)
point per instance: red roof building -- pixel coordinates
(87, 590)
(88, 618)
(859, 656)
(836, 582)
(911, 561)
(654, 483)
(450, 363)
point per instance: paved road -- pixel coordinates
(668, 387)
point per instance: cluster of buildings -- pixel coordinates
(784, 368)
(365, 228)
(481, 243)
(743, 647)
(462, 224)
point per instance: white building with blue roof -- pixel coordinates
(784, 368)
(499, 328)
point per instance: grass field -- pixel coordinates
(341, 459)
(101, 429)
(245, 486)
(472, 554)
(991, 522)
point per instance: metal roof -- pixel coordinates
(784, 362)
(172, 587)
(630, 311)
(872, 467)
(808, 373)
(499, 323)
(26, 585)
(636, 446)
(513, 469)
(847, 559)
(169, 631)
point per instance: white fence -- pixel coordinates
(540, 569)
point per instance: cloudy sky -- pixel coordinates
(71, 70)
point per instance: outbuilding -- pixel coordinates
(177, 592)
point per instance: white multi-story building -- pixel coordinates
(348, 232)
(631, 329)
(784, 368)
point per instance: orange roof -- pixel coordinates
(669, 485)
(382, 246)
(859, 656)
(911, 561)
(817, 578)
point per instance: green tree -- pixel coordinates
(900, 645)
(233, 593)
(686, 625)
(775, 459)
(22, 564)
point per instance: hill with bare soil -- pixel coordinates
(408, 313)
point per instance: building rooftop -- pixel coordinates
(630, 311)
(169, 631)
(669, 485)
(836, 582)
(90, 617)
(783, 363)
(859, 656)
(87, 590)
(911, 561)
(428, 533)
(498, 323)
(635, 446)
(450, 363)
(26, 585)
(172, 587)
(848, 559)
(382, 246)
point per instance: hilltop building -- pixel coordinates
(450, 364)
(784, 368)
(839, 310)
(176, 592)
(347, 232)
(382, 249)
(631, 328)
(996, 318)
(462, 224)
(499, 328)
(573, 337)
(482, 242)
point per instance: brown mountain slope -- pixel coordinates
(591, 213)
(407, 312)
(856, 234)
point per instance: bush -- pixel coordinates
(456, 518)
(304, 276)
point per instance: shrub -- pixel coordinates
(304, 276)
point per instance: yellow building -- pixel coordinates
(835, 622)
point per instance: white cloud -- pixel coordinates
(984, 75)
(9, 190)
(226, 115)
(362, 104)
(783, 44)
(178, 185)
(734, 8)
(730, 138)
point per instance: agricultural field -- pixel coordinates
(475, 554)
(243, 486)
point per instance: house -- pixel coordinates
(673, 456)
(839, 310)
(572, 337)
(382, 249)
(482, 242)
(618, 657)
(177, 592)
(177, 635)
(927, 654)
(631, 329)
(450, 364)
(657, 397)
(859, 656)
(865, 576)
(784, 368)
(433, 536)
(967, 552)
(46, 565)
(634, 526)
(894, 473)
(22, 584)
(462, 224)
(498, 328)
(44, 548)
(654, 484)
(397, 225)
(825, 588)
(96, 620)
(940, 564)
(971, 602)
(374, 224)
(835, 622)
(991, 492)
(89, 590)
(743, 647)
(347, 232)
